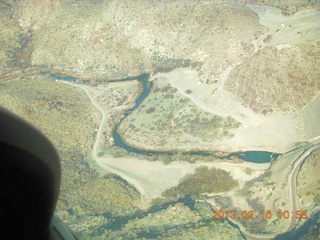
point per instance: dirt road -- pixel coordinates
(152, 178)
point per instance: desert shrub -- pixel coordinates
(150, 110)
(168, 96)
(248, 171)
(256, 205)
(317, 199)
(204, 180)
(166, 160)
(166, 89)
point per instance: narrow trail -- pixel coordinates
(94, 153)
(152, 178)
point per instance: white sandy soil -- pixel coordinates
(275, 133)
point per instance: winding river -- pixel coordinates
(250, 156)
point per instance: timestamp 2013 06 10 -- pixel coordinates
(250, 214)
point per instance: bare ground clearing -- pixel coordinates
(155, 177)
(271, 133)
(152, 178)
(296, 29)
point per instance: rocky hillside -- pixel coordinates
(10, 39)
(283, 78)
(114, 39)
(289, 7)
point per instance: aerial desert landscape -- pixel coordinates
(168, 114)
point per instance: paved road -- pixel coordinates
(293, 183)
(293, 192)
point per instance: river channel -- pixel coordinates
(249, 156)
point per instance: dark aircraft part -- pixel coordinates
(29, 180)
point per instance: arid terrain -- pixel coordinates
(226, 77)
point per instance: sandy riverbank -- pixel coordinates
(152, 178)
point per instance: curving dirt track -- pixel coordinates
(152, 178)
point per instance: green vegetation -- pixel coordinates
(164, 64)
(204, 180)
(97, 202)
(283, 85)
(103, 195)
(313, 233)
(57, 109)
(246, 190)
(192, 158)
(309, 178)
(116, 99)
(10, 37)
(248, 171)
(256, 204)
(317, 199)
(166, 160)
(268, 38)
(167, 117)
(256, 226)
(54, 108)
(175, 221)
(92, 39)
